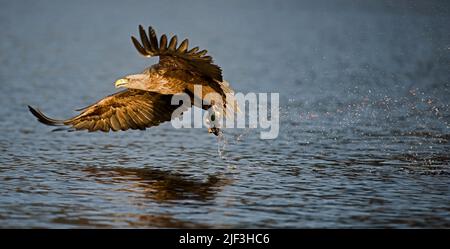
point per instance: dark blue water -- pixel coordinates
(364, 139)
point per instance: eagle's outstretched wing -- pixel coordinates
(128, 109)
(172, 56)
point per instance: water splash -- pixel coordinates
(242, 135)
(221, 144)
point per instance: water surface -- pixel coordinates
(364, 137)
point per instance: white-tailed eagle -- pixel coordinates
(146, 101)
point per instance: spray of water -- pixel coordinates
(221, 144)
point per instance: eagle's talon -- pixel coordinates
(214, 130)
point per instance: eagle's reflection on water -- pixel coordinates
(144, 185)
(159, 185)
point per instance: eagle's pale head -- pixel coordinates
(134, 81)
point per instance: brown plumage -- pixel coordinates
(171, 57)
(147, 100)
(127, 109)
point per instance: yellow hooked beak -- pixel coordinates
(121, 83)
